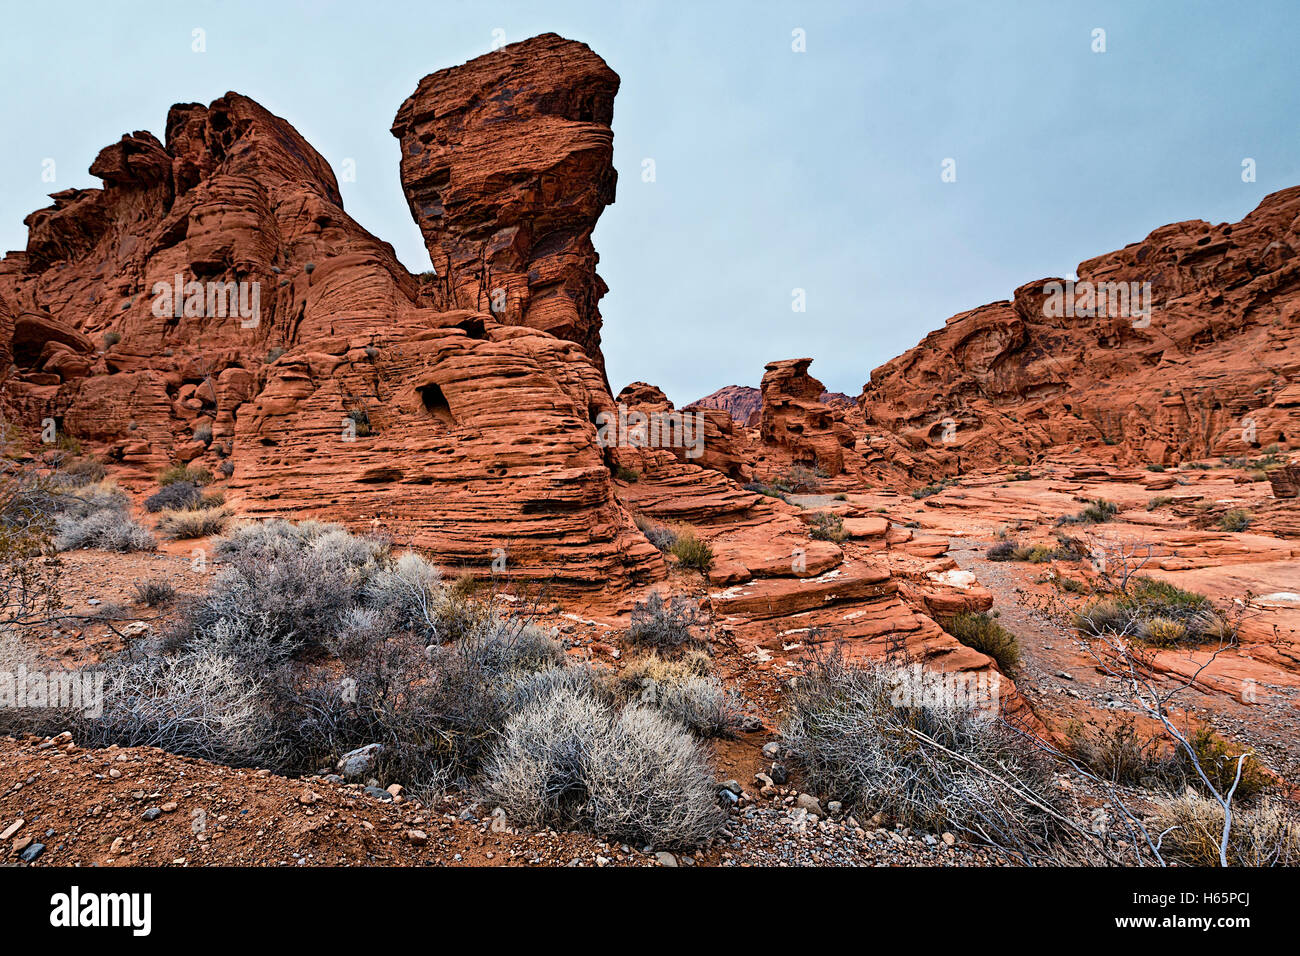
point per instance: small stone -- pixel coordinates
(169, 807)
(308, 797)
(771, 750)
(32, 852)
(665, 858)
(356, 764)
(153, 813)
(835, 806)
(378, 794)
(948, 838)
(116, 848)
(418, 837)
(12, 828)
(810, 803)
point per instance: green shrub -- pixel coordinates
(190, 523)
(827, 527)
(1097, 511)
(984, 634)
(194, 474)
(629, 475)
(1237, 519)
(692, 552)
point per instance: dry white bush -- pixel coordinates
(568, 760)
(935, 766)
(107, 529)
(197, 705)
(1191, 832)
(702, 704)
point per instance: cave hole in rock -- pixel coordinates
(435, 403)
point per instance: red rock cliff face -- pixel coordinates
(235, 195)
(507, 162)
(1213, 369)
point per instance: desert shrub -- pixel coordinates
(1157, 612)
(266, 540)
(630, 475)
(360, 417)
(464, 585)
(854, 741)
(770, 491)
(109, 528)
(436, 713)
(175, 495)
(1003, 550)
(1218, 760)
(1192, 825)
(569, 760)
(292, 600)
(193, 474)
(111, 339)
(1159, 502)
(1120, 752)
(1012, 549)
(926, 491)
(683, 689)
(203, 433)
(662, 625)
(1155, 466)
(827, 527)
(691, 551)
(154, 592)
(406, 589)
(1162, 631)
(78, 473)
(199, 704)
(1236, 519)
(660, 535)
(984, 634)
(800, 479)
(1070, 585)
(192, 523)
(1097, 511)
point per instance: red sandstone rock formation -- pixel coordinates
(794, 417)
(507, 162)
(1213, 369)
(712, 440)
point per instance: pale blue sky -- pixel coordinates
(775, 169)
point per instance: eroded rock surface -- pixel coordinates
(1211, 368)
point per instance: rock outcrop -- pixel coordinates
(507, 162)
(1180, 346)
(794, 418)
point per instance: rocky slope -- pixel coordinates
(1211, 367)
